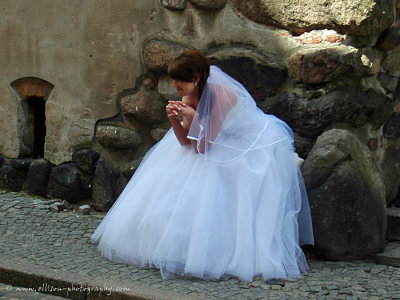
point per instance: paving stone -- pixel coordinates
(31, 235)
(84, 209)
(56, 207)
(67, 205)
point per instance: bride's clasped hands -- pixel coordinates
(175, 109)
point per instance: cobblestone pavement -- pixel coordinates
(38, 246)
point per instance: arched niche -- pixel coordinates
(32, 93)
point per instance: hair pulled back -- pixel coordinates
(188, 66)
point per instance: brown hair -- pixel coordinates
(189, 65)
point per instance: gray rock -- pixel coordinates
(393, 223)
(158, 133)
(389, 83)
(391, 128)
(21, 163)
(66, 182)
(67, 205)
(303, 145)
(396, 201)
(106, 186)
(372, 82)
(49, 202)
(10, 179)
(84, 209)
(316, 65)
(361, 41)
(166, 90)
(157, 54)
(38, 177)
(128, 169)
(346, 197)
(390, 38)
(371, 60)
(390, 167)
(209, 4)
(396, 93)
(358, 17)
(56, 207)
(259, 73)
(144, 106)
(391, 63)
(86, 159)
(174, 4)
(115, 136)
(310, 117)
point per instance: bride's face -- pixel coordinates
(185, 88)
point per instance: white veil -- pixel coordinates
(227, 122)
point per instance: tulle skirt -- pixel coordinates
(187, 215)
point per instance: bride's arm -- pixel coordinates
(180, 130)
(176, 109)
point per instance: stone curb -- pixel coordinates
(74, 286)
(390, 256)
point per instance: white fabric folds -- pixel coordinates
(227, 123)
(237, 208)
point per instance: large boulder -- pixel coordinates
(128, 169)
(85, 160)
(106, 186)
(115, 136)
(38, 177)
(66, 182)
(317, 65)
(166, 90)
(356, 17)
(309, 117)
(259, 73)
(10, 179)
(390, 167)
(144, 106)
(157, 54)
(346, 197)
(158, 133)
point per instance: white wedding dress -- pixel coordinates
(237, 208)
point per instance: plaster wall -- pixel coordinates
(91, 52)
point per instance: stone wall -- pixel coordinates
(330, 69)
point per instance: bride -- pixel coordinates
(220, 195)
